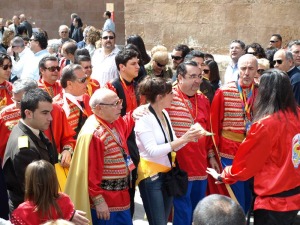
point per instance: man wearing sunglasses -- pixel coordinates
(178, 55)
(283, 60)
(128, 65)
(73, 99)
(5, 86)
(25, 55)
(275, 41)
(49, 73)
(103, 60)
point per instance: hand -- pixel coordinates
(214, 164)
(213, 173)
(140, 111)
(79, 218)
(65, 159)
(192, 135)
(102, 211)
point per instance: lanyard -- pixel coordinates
(246, 100)
(186, 105)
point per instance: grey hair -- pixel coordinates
(292, 43)
(289, 55)
(99, 96)
(24, 85)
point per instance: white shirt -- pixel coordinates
(31, 68)
(109, 25)
(104, 67)
(25, 56)
(231, 73)
(151, 140)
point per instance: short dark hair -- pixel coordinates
(194, 54)
(70, 47)
(124, 55)
(242, 44)
(45, 59)
(4, 56)
(181, 69)
(82, 58)
(31, 99)
(139, 43)
(275, 94)
(68, 74)
(81, 52)
(41, 38)
(278, 36)
(108, 13)
(183, 48)
(218, 210)
(151, 87)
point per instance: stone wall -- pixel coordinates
(50, 14)
(210, 25)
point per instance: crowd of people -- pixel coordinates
(116, 119)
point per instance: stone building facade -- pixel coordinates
(209, 25)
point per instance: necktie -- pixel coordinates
(49, 146)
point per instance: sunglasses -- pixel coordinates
(88, 67)
(159, 65)
(206, 71)
(273, 41)
(176, 57)
(5, 67)
(278, 61)
(260, 71)
(53, 68)
(108, 37)
(82, 80)
(117, 103)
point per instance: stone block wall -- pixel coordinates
(210, 25)
(50, 14)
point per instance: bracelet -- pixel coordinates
(98, 200)
(69, 149)
(220, 179)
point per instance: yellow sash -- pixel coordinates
(233, 136)
(62, 174)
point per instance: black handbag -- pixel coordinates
(176, 180)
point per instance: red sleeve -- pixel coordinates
(251, 155)
(66, 206)
(109, 86)
(129, 123)
(4, 134)
(86, 100)
(61, 130)
(95, 166)
(217, 115)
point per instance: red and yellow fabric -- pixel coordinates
(184, 112)
(92, 86)
(273, 163)
(5, 94)
(26, 212)
(227, 119)
(52, 90)
(97, 157)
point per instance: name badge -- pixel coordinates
(129, 163)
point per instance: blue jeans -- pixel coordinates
(184, 206)
(116, 218)
(157, 203)
(241, 189)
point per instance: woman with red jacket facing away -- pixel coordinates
(271, 153)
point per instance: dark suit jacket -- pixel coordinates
(16, 160)
(294, 76)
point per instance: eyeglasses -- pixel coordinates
(252, 53)
(272, 41)
(194, 76)
(176, 57)
(278, 61)
(117, 103)
(5, 67)
(159, 65)
(16, 101)
(53, 68)
(82, 80)
(88, 67)
(260, 71)
(108, 37)
(206, 71)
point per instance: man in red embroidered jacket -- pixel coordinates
(103, 162)
(49, 74)
(73, 99)
(5, 86)
(189, 106)
(231, 117)
(59, 128)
